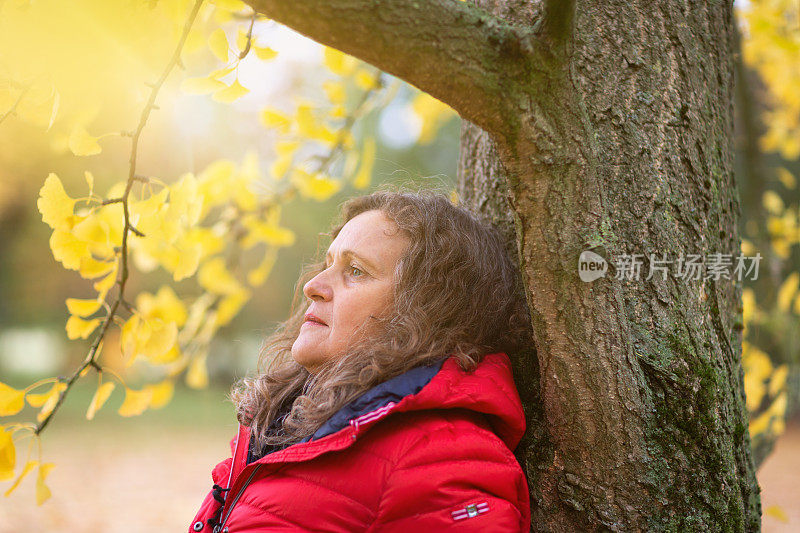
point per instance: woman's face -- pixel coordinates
(357, 282)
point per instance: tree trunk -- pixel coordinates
(605, 127)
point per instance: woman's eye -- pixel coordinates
(356, 269)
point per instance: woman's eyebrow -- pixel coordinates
(346, 253)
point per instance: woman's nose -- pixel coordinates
(318, 288)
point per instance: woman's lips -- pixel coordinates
(311, 317)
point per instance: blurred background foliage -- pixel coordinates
(101, 65)
(74, 79)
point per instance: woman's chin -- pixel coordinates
(305, 359)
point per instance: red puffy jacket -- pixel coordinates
(428, 450)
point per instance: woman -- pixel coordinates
(389, 402)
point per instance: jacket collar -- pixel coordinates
(393, 390)
(488, 389)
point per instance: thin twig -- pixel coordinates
(244, 52)
(132, 177)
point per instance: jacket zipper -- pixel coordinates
(233, 459)
(238, 495)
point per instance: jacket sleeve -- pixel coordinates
(455, 481)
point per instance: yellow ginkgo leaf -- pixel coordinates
(306, 122)
(367, 80)
(83, 308)
(760, 424)
(222, 72)
(787, 178)
(271, 234)
(164, 305)
(754, 391)
(749, 308)
(42, 491)
(187, 265)
(339, 62)
(350, 164)
(104, 285)
(756, 362)
(281, 165)
(244, 196)
(128, 342)
(177, 368)
(83, 144)
(100, 396)
(94, 231)
(89, 181)
(778, 381)
(160, 341)
(335, 91)
(259, 275)
(52, 400)
(790, 149)
(337, 111)
(433, 113)
(197, 375)
(787, 291)
(54, 204)
(215, 278)
(772, 202)
(230, 306)
(37, 400)
(218, 43)
(348, 139)
(204, 85)
(776, 511)
(80, 328)
(151, 206)
(747, 247)
(315, 186)
(11, 400)
(364, 176)
(230, 5)
(54, 111)
(135, 403)
(284, 148)
(328, 136)
(272, 118)
(265, 53)
(29, 465)
(241, 39)
(781, 247)
(67, 249)
(8, 455)
(162, 393)
(91, 268)
(232, 93)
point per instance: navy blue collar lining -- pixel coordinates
(392, 390)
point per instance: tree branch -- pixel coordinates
(557, 20)
(456, 52)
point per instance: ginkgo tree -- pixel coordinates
(197, 226)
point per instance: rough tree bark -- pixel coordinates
(604, 125)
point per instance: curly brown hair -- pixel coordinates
(456, 293)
